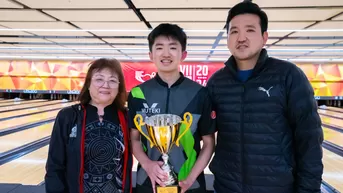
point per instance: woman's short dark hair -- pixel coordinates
(115, 67)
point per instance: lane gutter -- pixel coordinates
(23, 150)
(18, 128)
(28, 114)
(10, 110)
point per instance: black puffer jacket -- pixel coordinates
(269, 132)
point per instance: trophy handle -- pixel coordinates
(188, 124)
(139, 125)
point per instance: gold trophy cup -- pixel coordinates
(164, 131)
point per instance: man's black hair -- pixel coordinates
(168, 30)
(248, 7)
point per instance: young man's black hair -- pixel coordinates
(168, 30)
(248, 7)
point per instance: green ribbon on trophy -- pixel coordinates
(163, 132)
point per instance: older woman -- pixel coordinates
(89, 148)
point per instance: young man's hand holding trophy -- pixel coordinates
(164, 130)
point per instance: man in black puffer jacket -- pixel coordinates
(269, 132)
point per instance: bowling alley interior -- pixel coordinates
(46, 47)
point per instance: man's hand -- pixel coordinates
(202, 161)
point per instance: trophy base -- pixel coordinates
(167, 189)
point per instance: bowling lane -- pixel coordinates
(331, 113)
(331, 136)
(333, 169)
(30, 169)
(18, 103)
(30, 119)
(28, 105)
(32, 110)
(333, 109)
(18, 139)
(332, 121)
(26, 170)
(6, 101)
(10, 100)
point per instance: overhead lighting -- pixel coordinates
(75, 30)
(149, 30)
(57, 57)
(68, 48)
(202, 59)
(131, 48)
(305, 50)
(316, 59)
(272, 50)
(306, 30)
(101, 30)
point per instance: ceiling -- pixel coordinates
(299, 30)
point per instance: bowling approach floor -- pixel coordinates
(27, 125)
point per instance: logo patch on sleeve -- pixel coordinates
(213, 115)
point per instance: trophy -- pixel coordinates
(163, 132)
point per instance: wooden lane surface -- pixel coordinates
(333, 169)
(19, 103)
(25, 120)
(7, 101)
(26, 170)
(11, 100)
(27, 105)
(18, 139)
(331, 136)
(30, 119)
(335, 109)
(331, 113)
(32, 110)
(30, 169)
(332, 121)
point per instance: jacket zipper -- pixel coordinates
(242, 139)
(83, 132)
(167, 104)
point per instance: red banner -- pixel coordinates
(137, 73)
(68, 76)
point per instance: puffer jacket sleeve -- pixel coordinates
(308, 134)
(55, 178)
(210, 87)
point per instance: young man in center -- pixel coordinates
(169, 92)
